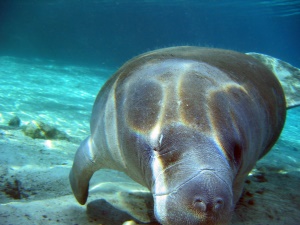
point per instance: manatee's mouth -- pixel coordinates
(212, 172)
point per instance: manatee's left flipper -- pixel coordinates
(288, 75)
(83, 168)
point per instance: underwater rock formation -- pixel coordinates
(40, 130)
(15, 121)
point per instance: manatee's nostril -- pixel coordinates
(200, 204)
(218, 204)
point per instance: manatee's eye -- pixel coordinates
(237, 151)
(159, 149)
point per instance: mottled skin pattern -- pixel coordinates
(189, 123)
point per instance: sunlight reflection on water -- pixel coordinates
(59, 96)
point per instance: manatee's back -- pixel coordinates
(218, 92)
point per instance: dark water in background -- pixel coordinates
(107, 33)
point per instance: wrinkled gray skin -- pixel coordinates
(188, 123)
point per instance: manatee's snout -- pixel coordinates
(204, 199)
(214, 205)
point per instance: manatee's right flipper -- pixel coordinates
(288, 76)
(83, 168)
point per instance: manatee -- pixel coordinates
(189, 123)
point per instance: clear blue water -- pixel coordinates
(56, 55)
(108, 33)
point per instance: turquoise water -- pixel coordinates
(40, 90)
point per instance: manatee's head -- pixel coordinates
(192, 181)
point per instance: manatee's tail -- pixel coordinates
(288, 76)
(82, 170)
